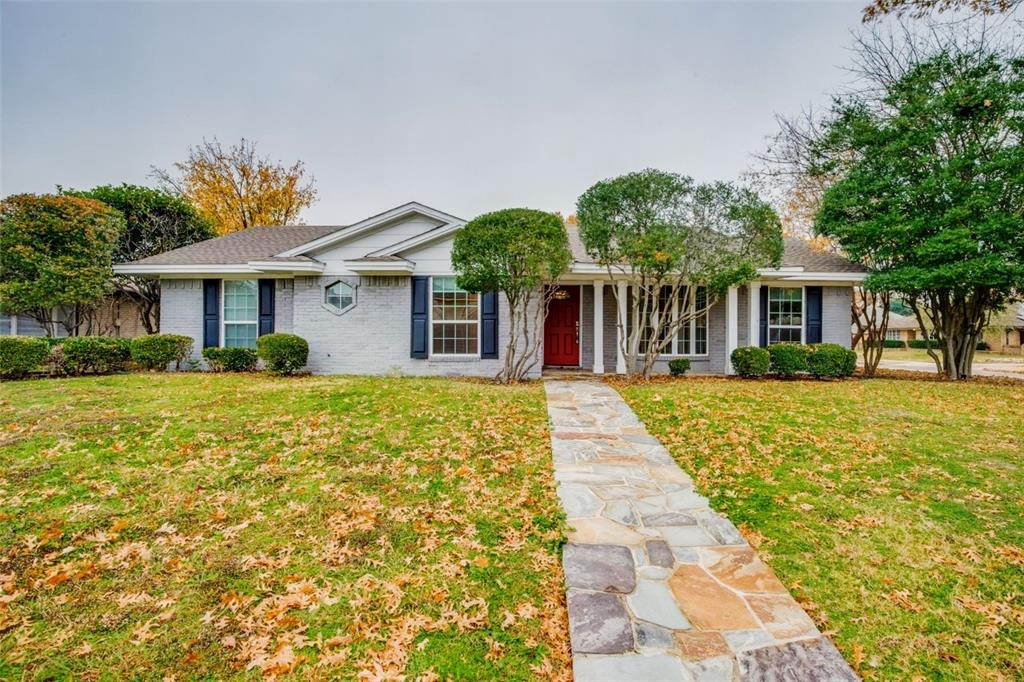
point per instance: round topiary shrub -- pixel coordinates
(750, 361)
(831, 360)
(157, 351)
(679, 366)
(282, 353)
(230, 359)
(93, 354)
(20, 355)
(788, 359)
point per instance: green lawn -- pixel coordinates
(980, 358)
(894, 510)
(232, 526)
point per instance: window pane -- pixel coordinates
(341, 295)
(240, 335)
(454, 314)
(240, 300)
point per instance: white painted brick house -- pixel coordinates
(379, 296)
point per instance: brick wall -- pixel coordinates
(181, 310)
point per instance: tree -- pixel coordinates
(56, 253)
(932, 192)
(236, 189)
(920, 8)
(155, 221)
(666, 234)
(520, 252)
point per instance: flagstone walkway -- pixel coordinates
(659, 586)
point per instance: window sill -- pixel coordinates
(454, 358)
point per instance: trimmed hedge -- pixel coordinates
(983, 345)
(894, 343)
(92, 354)
(157, 351)
(679, 366)
(751, 361)
(20, 355)
(282, 353)
(230, 359)
(788, 359)
(923, 343)
(830, 360)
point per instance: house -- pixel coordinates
(1005, 330)
(116, 315)
(902, 328)
(380, 296)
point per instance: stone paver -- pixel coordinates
(660, 586)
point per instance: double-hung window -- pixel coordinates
(892, 334)
(241, 315)
(454, 318)
(691, 337)
(785, 315)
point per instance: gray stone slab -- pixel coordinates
(598, 624)
(687, 536)
(653, 602)
(740, 640)
(651, 636)
(686, 555)
(621, 511)
(685, 499)
(719, 669)
(814, 660)
(659, 554)
(719, 527)
(669, 518)
(577, 501)
(602, 568)
(629, 668)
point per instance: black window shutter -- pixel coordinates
(211, 313)
(266, 302)
(489, 325)
(813, 297)
(764, 317)
(420, 286)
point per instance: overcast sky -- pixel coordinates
(466, 107)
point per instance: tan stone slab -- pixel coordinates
(782, 616)
(696, 645)
(583, 435)
(603, 531)
(741, 569)
(706, 603)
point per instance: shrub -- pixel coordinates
(983, 345)
(230, 359)
(156, 351)
(893, 343)
(282, 353)
(787, 359)
(750, 361)
(830, 360)
(923, 343)
(19, 355)
(679, 366)
(93, 354)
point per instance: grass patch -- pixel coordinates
(232, 525)
(893, 510)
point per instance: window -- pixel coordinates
(341, 296)
(892, 334)
(241, 319)
(692, 336)
(454, 318)
(785, 315)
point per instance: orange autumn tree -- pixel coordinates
(236, 188)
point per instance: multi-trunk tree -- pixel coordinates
(155, 221)
(55, 257)
(520, 252)
(669, 236)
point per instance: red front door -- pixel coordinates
(562, 328)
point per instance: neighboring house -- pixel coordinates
(1005, 331)
(902, 328)
(116, 315)
(380, 296)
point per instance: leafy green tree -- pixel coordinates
(519, 252)
(667, 233)
(155, 221)
(931, 191)
(56, 254)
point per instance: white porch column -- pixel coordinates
(754, 314)
(731, 327)
(598, 326)
(620, 330)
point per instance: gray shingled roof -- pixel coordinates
(797, 252)
(256, 243)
